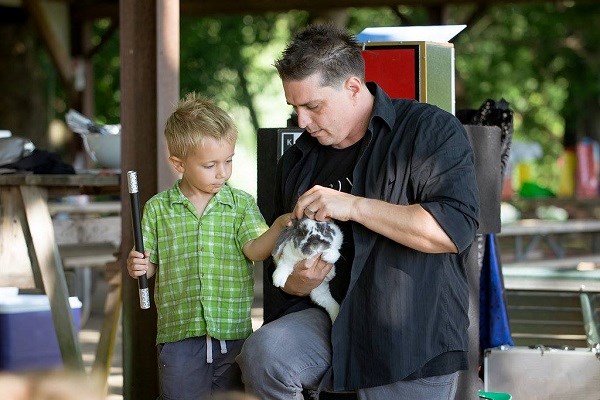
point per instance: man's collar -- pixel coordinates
(382, 106)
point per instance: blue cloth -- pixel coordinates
(494, 329)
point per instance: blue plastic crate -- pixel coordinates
(27, 336)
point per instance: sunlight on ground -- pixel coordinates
(115, 383)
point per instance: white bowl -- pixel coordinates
(104, 149)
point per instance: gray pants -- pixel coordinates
(286, 356)
(184, 374)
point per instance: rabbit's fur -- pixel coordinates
(304, 239)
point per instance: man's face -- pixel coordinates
(327, 113)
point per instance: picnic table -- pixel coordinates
(534, 232)
(25, 218)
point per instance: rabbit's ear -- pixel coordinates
(284, 237)
(277, 250)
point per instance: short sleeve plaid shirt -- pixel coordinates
(204, 283)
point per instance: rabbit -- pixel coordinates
(304, 239)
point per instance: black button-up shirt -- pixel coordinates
(405, 312)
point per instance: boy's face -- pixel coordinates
(207, 167)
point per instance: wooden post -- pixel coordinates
(167, 47)
(138, 152)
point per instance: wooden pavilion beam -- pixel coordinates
(210, 7)
(94, 9)
(138, 55)
(59, 53)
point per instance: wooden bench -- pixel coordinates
(87, 254)
(554, 302)
(88, 236)
(553, 318)
(96, 207)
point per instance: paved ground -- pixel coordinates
(88, 337)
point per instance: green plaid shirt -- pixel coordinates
(204, 283)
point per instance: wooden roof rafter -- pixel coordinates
(210, 7)
(58, 49)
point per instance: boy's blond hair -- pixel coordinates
(195, 119)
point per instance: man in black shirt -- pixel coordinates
(399, 178)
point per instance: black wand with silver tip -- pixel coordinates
(137, 235)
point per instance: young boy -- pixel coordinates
(201, 237)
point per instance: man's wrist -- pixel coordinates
(290, 295)
(356, 209)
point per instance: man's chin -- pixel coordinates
(323, 140)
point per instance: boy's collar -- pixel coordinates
(223, 196)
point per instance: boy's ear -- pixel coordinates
(177, 164)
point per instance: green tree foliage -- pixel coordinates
(106, 65)
(543, 59)
(227, 59)
(223, 58)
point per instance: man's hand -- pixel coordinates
(322, 204)
(307, 275)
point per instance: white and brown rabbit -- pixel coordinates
(304, 239)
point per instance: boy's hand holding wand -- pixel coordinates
(137, 234)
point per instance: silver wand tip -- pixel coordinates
(132, 181)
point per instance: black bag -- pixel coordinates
(42, 162)
(20, 154)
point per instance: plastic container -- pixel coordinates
(587, 182)
(104, 149)
(27, 336)
(567, 166)
(494, 395)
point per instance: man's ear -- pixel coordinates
(354, 85)
(177, 164)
